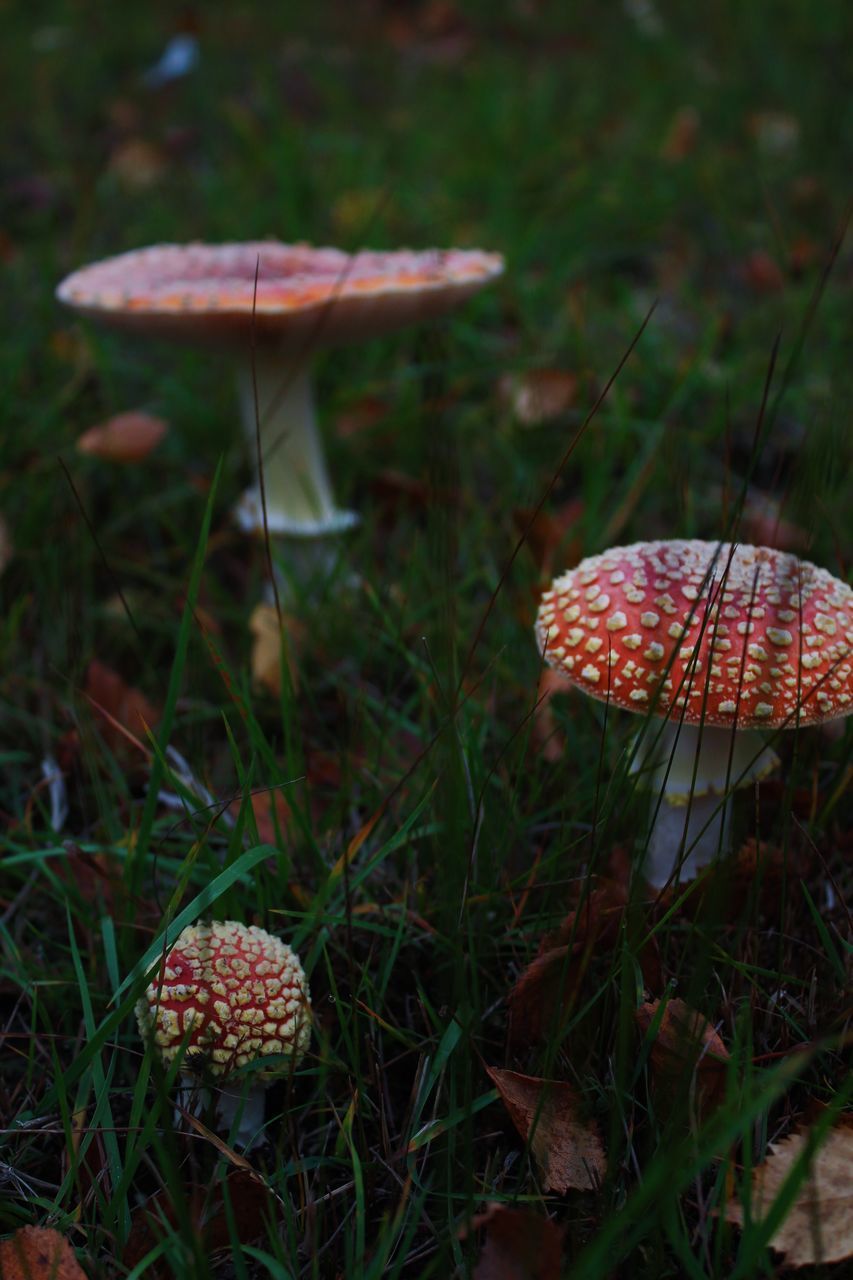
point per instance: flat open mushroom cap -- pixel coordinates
(198, 292)
(723, 634)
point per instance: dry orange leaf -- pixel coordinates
(681, 136)
(519, 1245)
(546, 735)
(818, 1227)
(539, 395)
(687, 1053)
(553, 979)
(123, 714)
(271, 810)
(566, 1148)
(266, 650)
(551, 533)
(137, 164)
(6, 548)
(127, 437)
(38, 1253)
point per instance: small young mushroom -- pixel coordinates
(228, 995)
(720, 640)
(306, 298)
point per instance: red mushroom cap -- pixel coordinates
(238, 991)
(197, 291)
(719, 633)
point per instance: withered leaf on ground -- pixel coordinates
(272, 814)
(681, 136)
(818, 1227)
(266, 649)
(550, 534)
(552, 981)
(538, 395)
(121, 712)
(566, 1147)
(6, 548)
(251, 1204)
(38, 1253)
(546, 735)
(687, 1056)
(126, 437)
(519, 1245)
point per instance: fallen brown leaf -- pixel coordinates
(566, 1148)
(6, 548)
(761, 272)
(681, 136)
(272, 814)
(687, 1055)
(127, 437)
(552, 981)
(549, 533)
(266, 650)
(546, 735)
(38, 1253)
(538, 395)
(775, 132)
(122, 713)
(519, 1245)
(137, 164)
(818, 1227)
(251, 1204)
(360, 415)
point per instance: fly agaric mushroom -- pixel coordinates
(721, 641)
(228, 996)
(305, 298)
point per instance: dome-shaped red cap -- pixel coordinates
(719, 633)
(233, 993)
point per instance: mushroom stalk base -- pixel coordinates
(245, 1106)
(686, 839)
(694, 769)
(299, 498)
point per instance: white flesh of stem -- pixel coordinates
(694, 769)
(296, 481)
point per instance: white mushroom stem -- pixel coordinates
(239, 1110)
(298, 490)
(694, 770)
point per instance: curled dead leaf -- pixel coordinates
(267, 647)
(818, 1227)
(547, 1113)
(551, 534)
(546, 735)
(251, 1204)
(38, 1253)
(688, 1058)
(272, 814)
(681, 136)
(519, 1245)
(137, 164)
(538, 395)
(550, 984)
(126, 437)
(761, 272)
(6, 548)
(123, 714)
